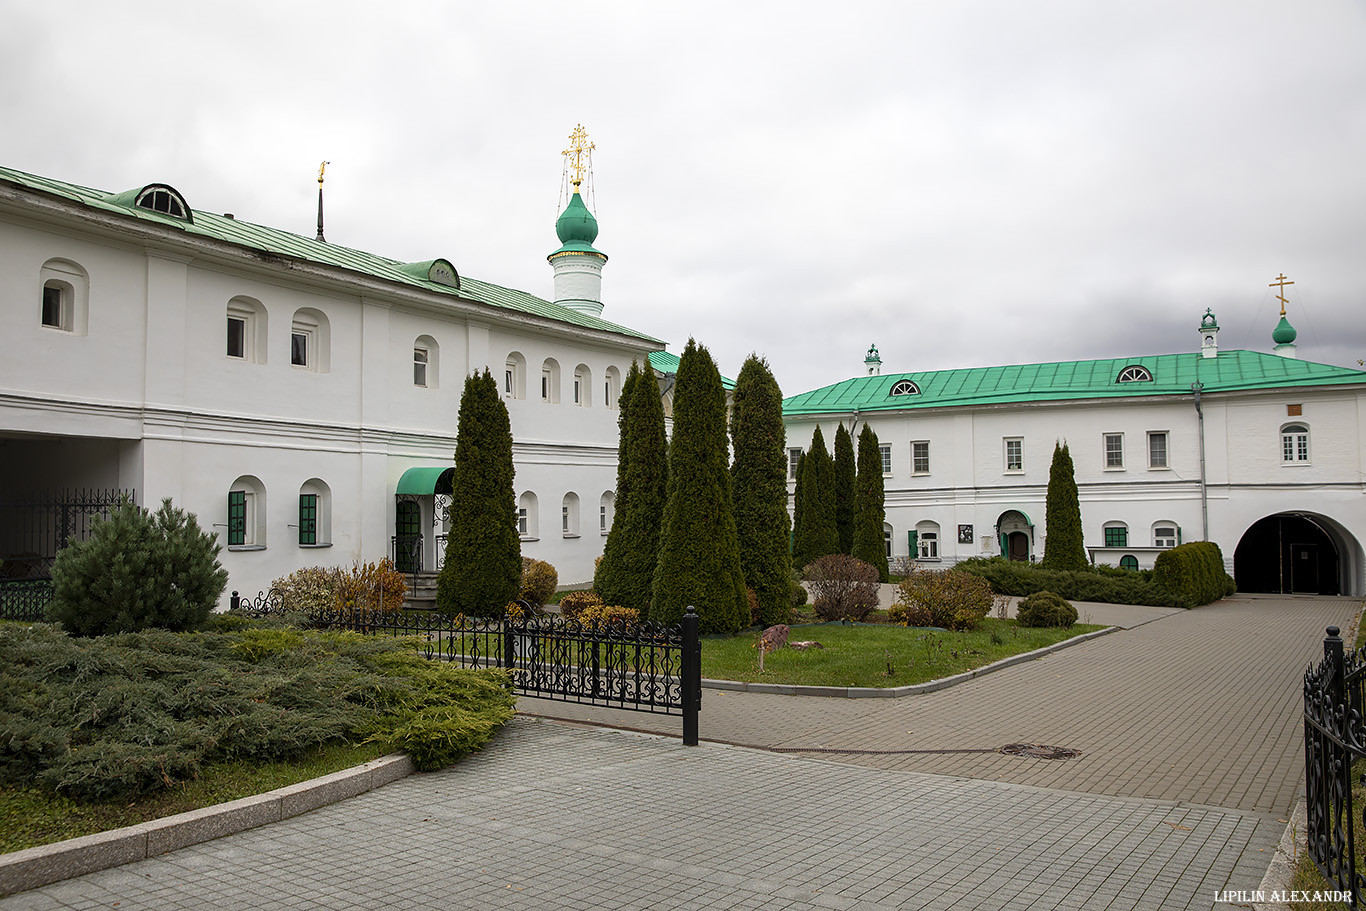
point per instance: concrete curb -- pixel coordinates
(896, 692)
(34, 867)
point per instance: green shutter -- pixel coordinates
(1178, 534)
(237, 517)
(912, 542)
(308, 518)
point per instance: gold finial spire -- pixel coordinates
(1281, 282)
(579, 146)
(322, 167)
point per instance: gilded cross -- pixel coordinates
(578, 147)
(1281, 282)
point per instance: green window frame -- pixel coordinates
(308, 518)
(1117, 536)
(237, 517)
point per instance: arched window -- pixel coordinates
(1135, 373)
(247, 330)
(514, 376)
(158, 197)
(611, 387)
(583, 386)
(1166, 534)
(606, 513)
(1116, 534)
(309, 340)
(569, 515)
(247, 513)
(426, 362)
(528, 522)
(927, 538)
(1129, 562)
(904, 387)
(315, 514)
(887, 539)
(65, 296)
(1294, 444)
(550, 381)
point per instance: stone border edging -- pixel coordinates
(896, 692)
(46, 864)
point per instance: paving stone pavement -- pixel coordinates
(557, 817)
(1188, 727)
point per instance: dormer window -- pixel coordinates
(904, 387)
(1135, 373)
(160, 198)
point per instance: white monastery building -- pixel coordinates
(1261, 453)
(298, 396)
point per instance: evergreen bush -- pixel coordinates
(539, 581)
(483, 567)
(869, 510)
(816, 535)
(1045, 609)
(1194, 573)
(842, 587)
(1063, 547)
(844, 480)
(625, 575)
(699, 556)
(759, 473)
(1098, 584)
(138, 570)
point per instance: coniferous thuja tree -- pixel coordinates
(759, 474)
(844, 489)
(816, 535)
(625, 576)
(1063, 548)
(699, 556)
(798, 507)
(483, 567)
(869, 512)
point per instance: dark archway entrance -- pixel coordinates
(1288, 553)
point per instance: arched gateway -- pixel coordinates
(1299, 553)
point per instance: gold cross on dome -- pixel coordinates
(1281, 282)
(578, 147)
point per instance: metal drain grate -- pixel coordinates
(1038, 751)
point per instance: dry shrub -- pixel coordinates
(949, 599)
(367, 586)
(574, 603)
(539, 581)
(843, 587)
(607, 614)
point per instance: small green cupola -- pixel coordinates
(578, 264)
(1284, 334)
(873, 361)
(1209, 334)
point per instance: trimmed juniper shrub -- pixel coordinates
(483, 567)
(138, 570)
(1099, 584)
(844, 477)
(869, 511)
(1045, 609)
(1194, 573)
(625, 575)
(699, 554)
(842, 587)
(815, 535)
(1063, 547)
(759, 472)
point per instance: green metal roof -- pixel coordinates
(665, 362)
(294, 246)
(1172, 374)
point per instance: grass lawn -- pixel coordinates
(880, 655)
(32, 816)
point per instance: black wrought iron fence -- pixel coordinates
(24, 599)
(642, 666)
(35, 527)
(1334, 738)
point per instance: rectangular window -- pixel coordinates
(564, 519)
(298, 348)
(1117, 536)
(1014, 454)
(237, 337)
(507, 382)
(886, 450)
(920, 457)
(602, 519)
(1114, 450)
(545, 387)
(237, 517)
(1164, 536)
(1157, 449)
(419, 366)
(52, 306)
(607, 394)
(521, 521)
(929, 545)
(578, 395)
(792, 456)
(308, 518)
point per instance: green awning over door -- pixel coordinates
(425, 481)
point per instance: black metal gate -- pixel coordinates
(643, 667)
(1334, 738)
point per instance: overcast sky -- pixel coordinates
(962, 182)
